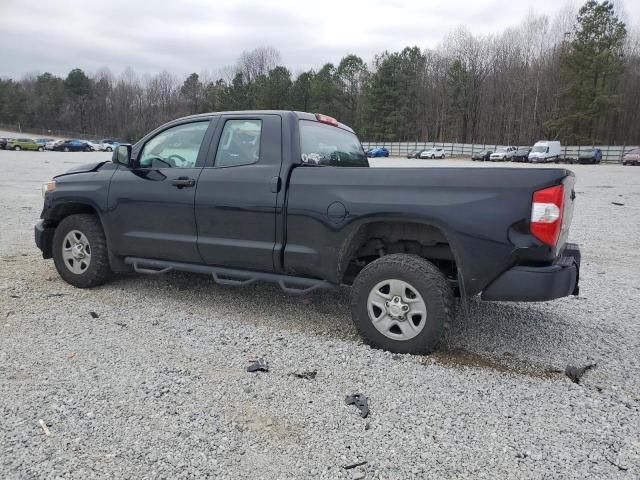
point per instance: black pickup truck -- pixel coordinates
(287, 197)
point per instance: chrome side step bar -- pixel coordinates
(229, 276)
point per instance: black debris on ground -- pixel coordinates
(310, 375)
(260, 365)
(354, 465)
(618, 203)
(360, 401)
(94, 315)
(121, 324)
(576, 373)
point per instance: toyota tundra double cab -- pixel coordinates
(289, 197)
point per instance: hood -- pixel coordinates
(86, 168)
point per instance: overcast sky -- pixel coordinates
(183, 36)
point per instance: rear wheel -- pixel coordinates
(66, 149)
(109, 149)
(17, 148)
(402, 303)
(80, 251)
(40, 149)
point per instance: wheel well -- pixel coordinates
(65, 209)
(374, 240)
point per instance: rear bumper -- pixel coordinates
(44, 238)
(538, 284)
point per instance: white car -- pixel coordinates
(432, 153)
(503, 154)
(51, 145)
(96, 146)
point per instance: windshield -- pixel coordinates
(540, 149)
(323, 144)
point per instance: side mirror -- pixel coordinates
(122, 155)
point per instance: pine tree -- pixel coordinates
(591, 65)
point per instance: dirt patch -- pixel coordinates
(506, 364)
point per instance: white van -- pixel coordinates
(545, 151)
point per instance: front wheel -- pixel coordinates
(80, 251)
(66, 149)
(40, 149)
(402, 303)
(109, 149)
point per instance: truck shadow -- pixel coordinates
(491, 335)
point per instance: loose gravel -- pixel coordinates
(146, 377)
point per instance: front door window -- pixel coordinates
(176, 147)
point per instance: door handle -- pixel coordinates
(276, 183)
(182, 182)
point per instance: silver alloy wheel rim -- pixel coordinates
(76, 252)
(397, 309)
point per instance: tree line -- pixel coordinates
(574, 77)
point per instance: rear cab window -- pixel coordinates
(323, 144)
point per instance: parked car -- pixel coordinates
(482, 156)
(414, 154)
(432, 153)
(406, 240)
(521, 154)
(43, 141)
(110, 144)
(502, 154)
(590, 156)
(3, 143)
(97, 146)
(72, 146)
(378, 152)
(50, 145)
(545, 151)
(23, 144)
(632, 157)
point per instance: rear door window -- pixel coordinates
(239, 143)
(323, 144)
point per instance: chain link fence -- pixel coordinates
(610, 153)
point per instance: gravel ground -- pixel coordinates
(152, 384)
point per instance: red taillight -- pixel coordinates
(546, 214)
(326, 119)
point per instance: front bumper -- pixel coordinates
(44, 238)
(538, 284)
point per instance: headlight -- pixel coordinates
(48, 187)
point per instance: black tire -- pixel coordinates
(424, 277)
(66, 149)
(17, 148)
(98, 271)
(109, 149)
(41, 149)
